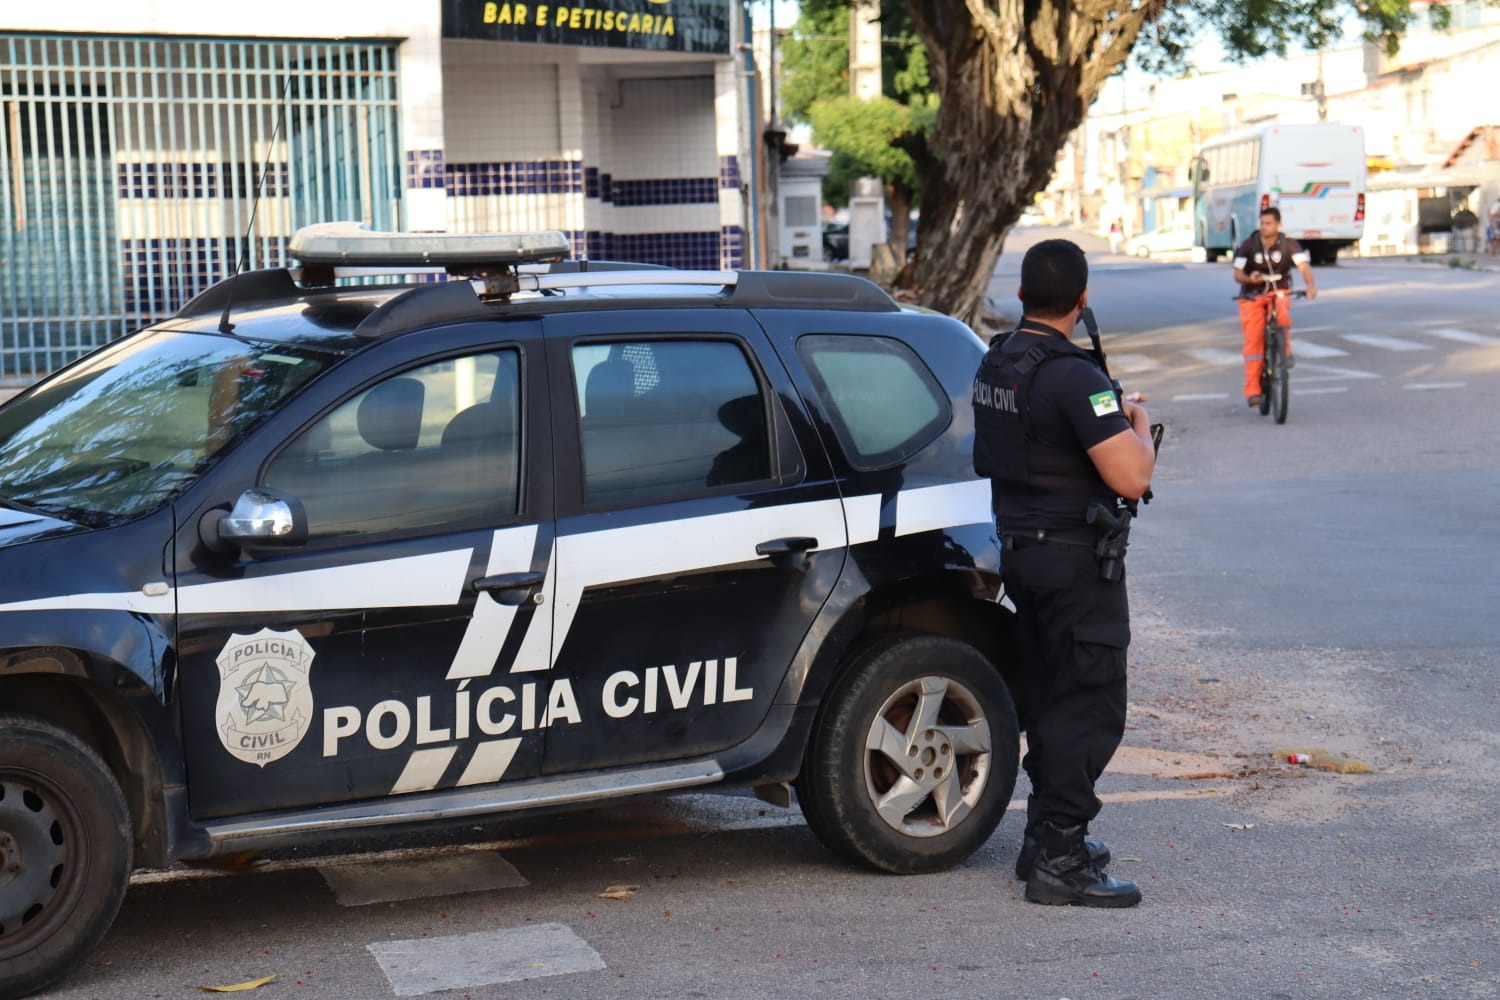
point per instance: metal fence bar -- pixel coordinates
(129, 167)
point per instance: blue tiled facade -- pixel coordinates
(669, 191)
(516, 177)
(200, 180)
(424, 168)
(731, 247)
(729, 172)
(162, 274)
(694, 251)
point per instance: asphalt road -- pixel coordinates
(1327, 584)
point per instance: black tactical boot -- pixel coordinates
(1063, 875)
(1098, 852)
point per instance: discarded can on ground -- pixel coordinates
(1299, 758)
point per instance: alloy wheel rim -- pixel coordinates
(927, 757)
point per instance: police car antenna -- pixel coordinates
(244, 244)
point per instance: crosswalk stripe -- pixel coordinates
(1433, 385)
(1132, 362)
(426, 965)
(1322, 390)
(1328, 373)
(1307, 349)
(1216, 356)
(1463, 336)
(1384, 342)
(1199, 395)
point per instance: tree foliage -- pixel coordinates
(1007, 81)
(866, 138)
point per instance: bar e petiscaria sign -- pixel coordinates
(660, 25)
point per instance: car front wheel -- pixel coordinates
(913, 760)
(65, 851)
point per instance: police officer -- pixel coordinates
(1055, 438)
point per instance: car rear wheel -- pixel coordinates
(1143, 251)
(65, 851)
(914, 757)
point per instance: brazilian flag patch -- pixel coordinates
(1104, 403)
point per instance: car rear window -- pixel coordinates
(884, 402)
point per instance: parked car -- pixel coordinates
(313, 560)
(1172, 238)
(835, 241)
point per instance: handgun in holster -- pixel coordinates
(1114, 539)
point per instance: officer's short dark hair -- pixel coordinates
(1272, 211)
(1054, 275)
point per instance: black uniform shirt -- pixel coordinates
(1073, 408)
(1280, 257)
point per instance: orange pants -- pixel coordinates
(1253, 314)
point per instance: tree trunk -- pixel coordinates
(1014, 80)
(898, 197)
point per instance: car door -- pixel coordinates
(699, 532)
(389, 653)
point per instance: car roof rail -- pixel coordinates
(456, 301)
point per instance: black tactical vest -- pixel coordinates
(1003, 449)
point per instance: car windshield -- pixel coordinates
(130, 427)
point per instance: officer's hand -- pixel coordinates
(1137, 415)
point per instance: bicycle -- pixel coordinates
(1275, 387)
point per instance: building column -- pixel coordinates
(729, 120)
(424, 181)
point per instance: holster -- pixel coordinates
(1113, 539)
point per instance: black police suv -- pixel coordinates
(314, 559)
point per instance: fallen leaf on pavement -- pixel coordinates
(1240, 826)
(252, 984)
(621, 892)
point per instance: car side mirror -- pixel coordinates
(262, 518)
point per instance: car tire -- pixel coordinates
(1143, 251)
(65, 844)
(958, 772)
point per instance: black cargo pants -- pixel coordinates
(1072, 631)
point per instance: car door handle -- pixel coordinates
(509, 588)
(785, 546)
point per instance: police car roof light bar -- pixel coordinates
(353, 244)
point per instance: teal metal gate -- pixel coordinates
(135, 172)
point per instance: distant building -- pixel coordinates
(151, 153)
(1129, 160)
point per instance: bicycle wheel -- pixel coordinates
(1265, 378)
(1276, 370)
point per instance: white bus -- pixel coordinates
(1314, 173)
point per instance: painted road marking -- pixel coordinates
(1383, 342)
(1200, 395)
(1322, 390)
(1433, 385)
(1329, 373)
(1307, 349)
(426, 965)
(420, 878)
(1132, 363)
(1463, 336)
(1216, 356)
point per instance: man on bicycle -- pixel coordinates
(1266, 252)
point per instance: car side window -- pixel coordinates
(432, 446)
(668, 418)
(884, 403)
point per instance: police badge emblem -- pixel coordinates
(265, 696)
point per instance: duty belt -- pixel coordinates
(1020, 538)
